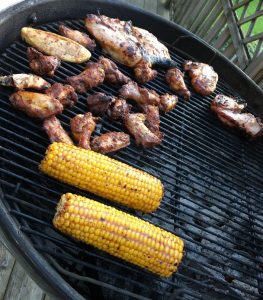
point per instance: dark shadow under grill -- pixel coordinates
(213, 196)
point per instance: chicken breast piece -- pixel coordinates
(118, 109)
(55, 131)
(167, 102)
(36, 105)
(77, 36)
(175, 78)
(91, 77)
(82, 127)
(98, 103)
(64, 93)
(228, 111)
(203, 77)
(142, 134)
(110, 142)
(43, 65)
(141, 95)
(24, 81)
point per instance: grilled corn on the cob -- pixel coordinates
(119, 234)
(103, 176)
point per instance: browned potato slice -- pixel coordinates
(54, 44)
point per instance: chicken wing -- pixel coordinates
(141, 95)
(110, 142)
(77, 36)
(36, 105)
(175, 79)
(144, 73)
(64, 93)
(203, 77)
(41, 64)
(24, 81)
(82, 127)
(55, 131)
(91, 77)
(167, 102)
(142, 134)
(118, 109)
(126, 43)
(228, 111)
(112, 74)
(152, 120)
(98, 103)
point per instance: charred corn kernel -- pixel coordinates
(119, 234)
(103, 176)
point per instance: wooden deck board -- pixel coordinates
(15, 284)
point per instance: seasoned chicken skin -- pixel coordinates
(24, 81)
(36, 105)
(43, 65)
(55, 131)
(152, 120)
(141, 95)
(82, 127)
(144, 73)
(118, 109)
(64, 93)
(167, 102)
(142, 134)
(110, 142)
(77, 36)
(203, 77)
(175, 79)
(112, 74)
(228, 111)
(98, 103)
(91, 77)
(126, 43)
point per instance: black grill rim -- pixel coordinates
(31, 259)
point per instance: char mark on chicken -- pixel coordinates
(229, 112)
(203, 77)
(98, 103)
(82, 127)
(91, 77)
(118, 109)
(43, 65)
(112, 74)
(135, 123)
(77, 36)
(175, 79)
(55, 131)
(167, 102)
(110, 142)
(64, 93)
(141, 95)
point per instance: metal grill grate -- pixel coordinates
(213, 196)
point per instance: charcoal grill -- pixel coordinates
(212, 177)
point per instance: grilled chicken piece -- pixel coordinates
(203, 77)
(110, 142)
(128, 44)
(55, 131)
(36, 105)
(24, 81)
(91, 77)
(118, 109)
(228, 111)
(175, 79)
(144, 73)
(82, 127)
(141, 95)
(142, 134)
(152, 119)
(98, 103)
(112, 74)
(64, 93)
(77, 36)
(44, 65)
(168, 102)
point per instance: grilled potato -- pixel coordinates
(54, 44)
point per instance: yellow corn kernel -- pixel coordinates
(103, 176)
(119, 234)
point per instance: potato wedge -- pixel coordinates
(54, 44)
